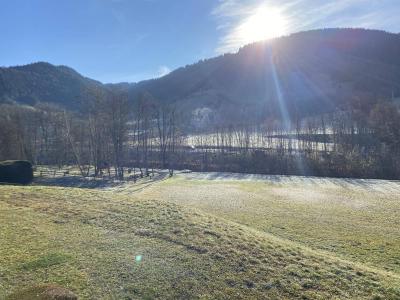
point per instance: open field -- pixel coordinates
(354, 218)
(207, 236)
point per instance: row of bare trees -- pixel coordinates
(110, 132)
(113, 134)
(360, 140)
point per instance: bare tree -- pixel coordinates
(117, 118)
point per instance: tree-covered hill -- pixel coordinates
(304, 73)
(307, 72)
(43, 82)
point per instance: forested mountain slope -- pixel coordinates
(43, 82)
(308, 72)
(304, 73)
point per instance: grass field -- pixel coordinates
(192, 237)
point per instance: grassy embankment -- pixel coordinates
(218, 240)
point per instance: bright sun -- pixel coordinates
(265, 23)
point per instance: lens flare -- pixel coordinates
(265, 23)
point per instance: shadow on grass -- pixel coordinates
(97, 183)
(46, 261)
(367, 184)
(43, 292)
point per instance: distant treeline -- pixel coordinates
(359, 140)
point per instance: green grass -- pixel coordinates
(354, 222)
(43, 292)
(88, 241)
(45, 261)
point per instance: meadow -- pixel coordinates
(205, 236)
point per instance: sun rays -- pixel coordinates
(264, 23)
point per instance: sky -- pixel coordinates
(133, 40)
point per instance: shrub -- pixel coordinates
(16, 171)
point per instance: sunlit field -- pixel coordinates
(205, 235)
(202, 150)
(354, 219)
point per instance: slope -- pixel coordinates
(43, 82)
(356, 219)
(112, 246)
(305, 73)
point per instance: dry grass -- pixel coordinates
(88, 241)
(356, 222)
(43, 292)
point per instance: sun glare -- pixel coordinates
(265, 23)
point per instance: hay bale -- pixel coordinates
(43, 292)
(16, 171)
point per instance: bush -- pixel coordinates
(16, 171)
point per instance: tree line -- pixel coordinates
(112, 133)
(359, 139)
(109, 133)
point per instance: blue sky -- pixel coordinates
(131, 40)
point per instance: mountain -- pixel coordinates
(304, 73)
(43, 82)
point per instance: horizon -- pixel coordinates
(119, 41)
(194, 62)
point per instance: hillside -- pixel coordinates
(43, 82)
(310, 72)
(305, 73)
(129, 244)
